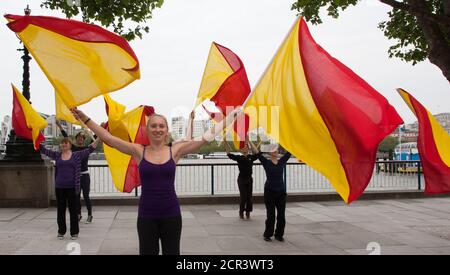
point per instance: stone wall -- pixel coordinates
(25, 184)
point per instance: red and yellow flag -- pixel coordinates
(81, 60)
(27, 123)
(131, 127)
(434, 147)
(226, 84)
(327, 115)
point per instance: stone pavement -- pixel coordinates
(419, 226)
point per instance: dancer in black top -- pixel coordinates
(245, 179)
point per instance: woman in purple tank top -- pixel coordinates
(159, 216)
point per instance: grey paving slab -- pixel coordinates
(445, 250)
(29, 214)
(390, 250)
(9, 216)
(298, 220)
(306, 240)
(419, 239)
(200, 245)
(49, 214)
(7, 227)
(325, 251)
(10, 246)
(187, 215)
(127, 215)
(42, 247)
(230, 244)
(381, 227)
(318, 217)
(109, 214)
(399, 227)
(119, 247)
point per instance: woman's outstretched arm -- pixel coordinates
(134, 150)
(187, 147)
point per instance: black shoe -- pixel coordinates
(247, 215)
(267, 239)
(241, 215)
(279, 238)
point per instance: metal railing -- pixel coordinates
(220, 179)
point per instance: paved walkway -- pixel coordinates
(397, 226)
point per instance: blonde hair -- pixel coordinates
(165, 121)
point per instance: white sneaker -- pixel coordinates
(89, 219)
(74, 237)
(60, 237)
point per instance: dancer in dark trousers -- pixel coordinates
(245, 179)
(85, 181)
(159, 214)
(274, 193)
(67, 183)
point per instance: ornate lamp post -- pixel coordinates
(17, 148)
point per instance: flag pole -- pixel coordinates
(271, 61)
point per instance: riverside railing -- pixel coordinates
(221, 179)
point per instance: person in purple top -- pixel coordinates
(159, 214)
(67, 182)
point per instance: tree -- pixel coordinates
(421, 27)
(110, 13)
(388, 144)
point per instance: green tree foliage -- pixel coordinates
(117, 14)
(388, 144)
(421, 28)
(211, 147)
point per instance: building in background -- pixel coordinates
(178, 127)
(201, 126)
(444, 120)
(6, 127)
(410, 132)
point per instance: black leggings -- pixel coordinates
(245, 192)
(66, 197)
(85, 184)
(151, 230)
(275, 200)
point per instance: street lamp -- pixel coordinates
(17, 148)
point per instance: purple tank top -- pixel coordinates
(158, 196)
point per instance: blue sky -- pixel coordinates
(173, 54)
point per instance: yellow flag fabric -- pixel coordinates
(27, 123)
(131, 127)
(116, 112)
(62, 112)
(81, 60)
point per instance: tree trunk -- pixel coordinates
(438, 45)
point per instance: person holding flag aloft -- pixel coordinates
(85, 180)
(245, 179)
(274, 190)
(67, 182)
(159, 214)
